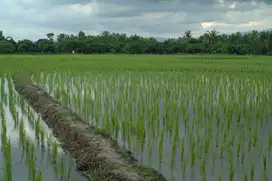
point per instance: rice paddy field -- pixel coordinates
(191, 117)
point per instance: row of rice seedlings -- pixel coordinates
(28, 147)
(6, 150)
(185, 115)
(34, 174)
(13, 101)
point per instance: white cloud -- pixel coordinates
(233, 5)
(32, 19)
(214, 24)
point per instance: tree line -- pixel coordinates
(251, 43)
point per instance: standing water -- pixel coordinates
(185, 125)
(29, 150)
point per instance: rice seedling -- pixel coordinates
(17, 116)
(166, 103)
(177, 122)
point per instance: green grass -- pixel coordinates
(192, 63)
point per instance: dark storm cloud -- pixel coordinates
(173, 1)
(63, 2)
(161, 18)
(190, 8)
(152, 2)
(138, 7)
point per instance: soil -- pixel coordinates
(97, 155)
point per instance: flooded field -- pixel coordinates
(191, 126)
(29, 150)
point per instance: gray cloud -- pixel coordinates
(176, 1)
(160, 18)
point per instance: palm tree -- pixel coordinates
(188, 35)
(1, 36)
(270, 42)
(212, 36)
(224, 38)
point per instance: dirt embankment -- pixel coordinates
(97, 156)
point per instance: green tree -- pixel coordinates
(254, 42)
(25, 46)
(50, 36)
(6, 47)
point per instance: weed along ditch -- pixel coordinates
(97, 156)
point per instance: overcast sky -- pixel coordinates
(33, 19)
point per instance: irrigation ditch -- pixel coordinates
(97, 156)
